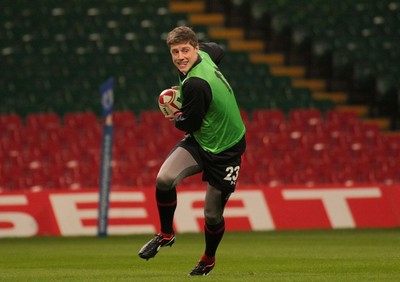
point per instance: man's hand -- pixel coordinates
(172, 110)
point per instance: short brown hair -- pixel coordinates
(182, 34)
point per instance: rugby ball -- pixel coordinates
(172, 97)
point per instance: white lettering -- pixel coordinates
(254, 208)
(70, 218)
(334, 201)
(137, 212)
(23, 224)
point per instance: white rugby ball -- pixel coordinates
(172, 97)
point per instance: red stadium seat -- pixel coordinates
(10, 144)
(43, 120)
(347, 120)
(254, 156)
(124, 119)
(80, 120)
(125, 171)
(304, 114)
(371, 129)
(262, 115)
(305, 177)
(268, 119)
(10, 121)
(279, 142)
(270, 177)
(385, 175)
(342, 177)
(295, 130)
(300, 155)
(245, 116)
(315, 141)
(341, 115)
(152, 118)
(392, 144)
(308, 118)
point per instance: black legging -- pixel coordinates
(179, 165)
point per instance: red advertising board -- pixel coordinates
(133, 210)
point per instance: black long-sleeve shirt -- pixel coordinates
(196, 93)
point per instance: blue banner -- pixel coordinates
(107, 96)
(107, 100)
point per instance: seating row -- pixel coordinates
(43, 151)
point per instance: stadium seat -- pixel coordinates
(299, 156)
(80, 120)
(43, 120)
(269, 178)
(124, 118)
(315, 141)
(304, 114)
(10, 121)
(151, 118)
(268, 119)
(372, 132)
(392, 144)
(307, 178)
(341, 116)
(278, 142)
(309, 118)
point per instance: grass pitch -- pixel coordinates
(314, 255)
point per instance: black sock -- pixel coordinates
(166, 203)
(213, 235)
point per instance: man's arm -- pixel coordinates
(214, 50)
(197, 96)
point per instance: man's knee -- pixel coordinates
(164, 182)
(212, 216)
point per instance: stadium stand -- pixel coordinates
(55, 54)
(351, 44)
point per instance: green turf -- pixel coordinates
(317, 255)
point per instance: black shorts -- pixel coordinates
(219, 170)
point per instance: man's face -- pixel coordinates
(184, 56)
